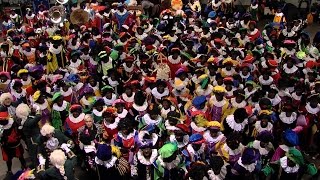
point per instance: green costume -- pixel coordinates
(59, 115)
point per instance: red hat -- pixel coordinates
(183, 128)
(217, 40)
(118, 101)
(75, 107)
(248, 59)
(273, 63)
(131, 84)
(7, 74)
(150, 79)
(252, 22)
(129, 59)
(150, 47)
(311, 64)
(227, 79)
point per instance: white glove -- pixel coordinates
(65, 147)
(42, 161)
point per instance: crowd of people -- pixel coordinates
(197, 91)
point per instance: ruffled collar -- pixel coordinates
(66, 93)
(295, 96)
(204, 92)
(18, 95)
(75, 64)
(60, 108)
(288, 120)
(77, 119)
(85, 101)
(158, 95)
(262, 151)
(142, 133)
(276, 100)
(121, 13)
(312, 110)
(128, 99)
(97, 113)
(234, 125)
(286, 168)
(13, 16)
(238, 105)
(228, 72)
(244, 76)
(112, 82)
(128, 69)
(74, 47)
(289, 70)
(147, 119)
(110, 101)
(197, 128)
(144, 161)
(279, 14)
(129, 136)
(140, 108)
(221, 175)
(30, 17)
(182, 144)
(258, 127)
(108, 164)
(233, 152)
(210, 139)
(54, 50)
(174, 61)
(27, 82)
(250, 167)
(170, 165)
(141, 37)
(169, 127)
(254, 32)
(193, 152)
(288, 34)
(30, 53)
(164, 112)
(265, 82)
(217, 103)
(44, 105)
(113, 125)
(123, 114)
(9, 125)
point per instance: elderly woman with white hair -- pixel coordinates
(6, 100)
(51, 139)
(62, 165)
(28, 121)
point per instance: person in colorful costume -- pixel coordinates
(59, 112)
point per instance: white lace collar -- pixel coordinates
(265, 82)
(174, 61)
(210, 139)
(128, 69)
(278, 14)
(204, 92)
(158, 95)
(244, 76)
(288, 34)
(128, 99)
(60, 108)
(169, 165)
(151, 160)
(75, 64)
(286, 168)
(112, 82)
(73, 47)
(214, 4)
(197, 128)
(129, 136)
(30, 17)
(113, 125)
(169, 127)
(123, 114)
(27, 82)
(77, 119)
(54, 50)
(85, 57)
(18, 95)
(276, 100)
(221, 175)
(164, 112)
(85, 101)
(254, 6)
(140, 37)
(121, 13)
(250, 167)
(142, 133)
(147, 119)
(233, 152)
(9, 125)
(97, 113)
(228, 73)
(108, 164)
(30, 53)
(44, 105)
(289, 70)
(13, 16)
(217, 103)
(259, 129)
(182, 144)
(193, 152)
(234, 125)
(109, 102)
(66, 93)
(238, 105)
(262, 151)
(95, 88)
(312, 110)
(295, 96)
(254, 32)
(288, 120)
(285, 148)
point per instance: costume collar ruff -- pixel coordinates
(144, 161)
(234, 125)
(77, 119)
(60, 108)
